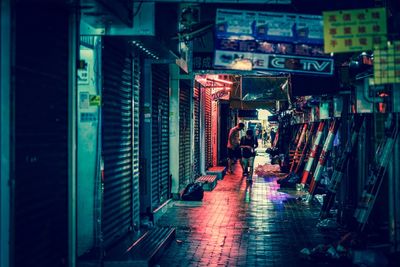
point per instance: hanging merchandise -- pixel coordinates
(293, 178)
(305, 149)
(298, 148)
(377, 173)
(325, 153)
(313, 153)
(340, 167)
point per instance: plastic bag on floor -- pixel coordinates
(193, 192)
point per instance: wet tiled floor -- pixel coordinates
(238, 224)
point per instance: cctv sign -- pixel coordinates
(301, 64)
(274, 62)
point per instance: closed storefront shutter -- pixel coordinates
(117, 140)
(40, 222)
(184, 134)
(196, 126)
(207, 132)
(160, 180)
(135, 166)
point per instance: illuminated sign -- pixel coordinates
(284, 42)
(387, 64)
(354, 30)
(272, 26)
(273, 62)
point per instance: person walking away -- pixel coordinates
(265, 138)
(233, 145)
(272, 135)
(249, 144)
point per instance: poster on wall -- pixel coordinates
(83, 72)
(354, 30)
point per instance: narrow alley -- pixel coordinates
(162, 133)
(242, 224)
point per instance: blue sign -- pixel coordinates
(270, 26)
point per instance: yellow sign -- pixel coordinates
(354, 30)
(94, 100)
(387, 64)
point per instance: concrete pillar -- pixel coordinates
(5, 84)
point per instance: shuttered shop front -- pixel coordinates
(196, 130)
(40, 211)
(206, 101)
(119, 131)
(184, 134)
(160, 177)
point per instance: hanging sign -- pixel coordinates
(354, 30)
(273, 62)
(271, 26)
(387, 64)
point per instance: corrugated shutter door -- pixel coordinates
(184, 134)
(207, 118)
(41, 137)
(136, 93)
(196, 125)
(117, 129)
(160, 185)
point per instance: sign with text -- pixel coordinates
(271, 26)
(354, 30)
(203, 61)
(387, 64)
(273, 62)
(258, 46)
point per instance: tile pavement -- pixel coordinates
(238, 224)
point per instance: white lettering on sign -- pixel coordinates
(313, 65)
(278, 62)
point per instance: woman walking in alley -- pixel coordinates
(249, 144)
(233, 146)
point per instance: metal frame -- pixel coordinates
(5, 120)
(146, 136)
(73, 47)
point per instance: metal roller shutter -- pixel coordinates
(184, 135)
(196, 125)
(160, 135)
(41, 136)
(207, 119)
(117, 148)
(136, 93)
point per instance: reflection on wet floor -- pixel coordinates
(243, 224)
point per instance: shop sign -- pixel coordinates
(202, 61)
(354, 30)
(387, 64)
(271, 47)
(221, 94)
(280, 63)
(271, 26)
